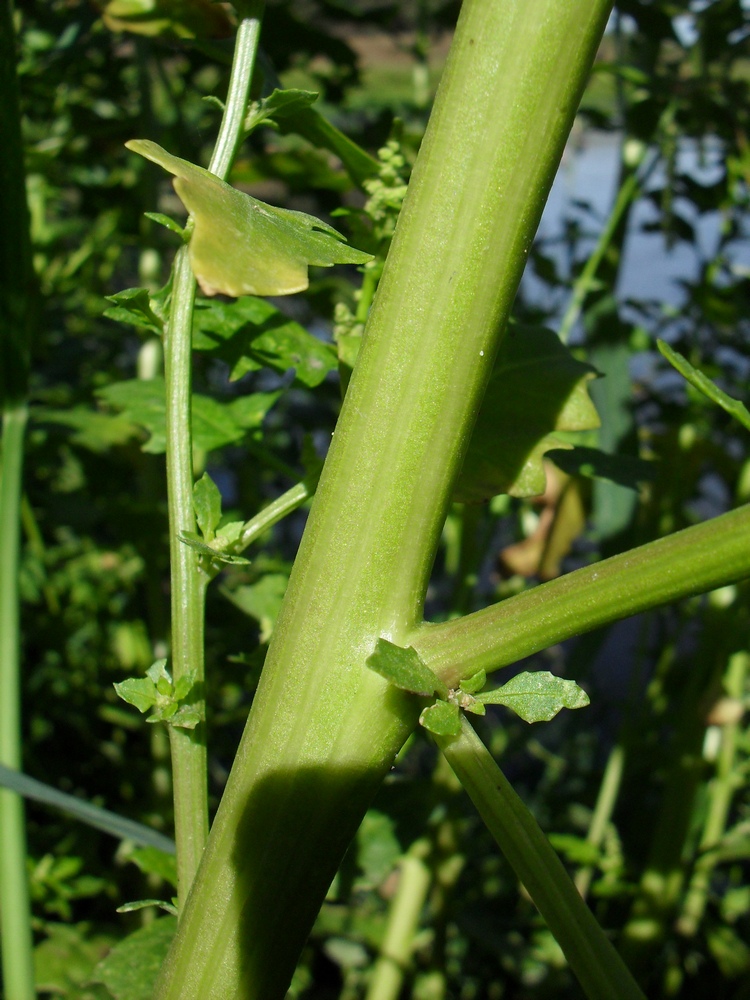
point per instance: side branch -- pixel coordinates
(688, 562)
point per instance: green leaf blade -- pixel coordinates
(536, 696)
(241, 246)
(403, 668)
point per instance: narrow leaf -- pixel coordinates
(241, 246)
(95, 816)
(139, 692)
(704, 384)
(405, 669)
(164, 220)
(142, 904)
(537, 696)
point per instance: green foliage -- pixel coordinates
(130, 969)
(94, 580)
(241, 246)
(171, 701)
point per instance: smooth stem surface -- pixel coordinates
(592, 957)
(403, 921)
(324, 730)
(188, 585)
(15, 910)
(691, 561)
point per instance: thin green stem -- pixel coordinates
(592, 957)
(189, 759)
(403, 920)
(18, 970)
(188, 584)
(17, 319)
(231, 130)
(721, 791)
(692, 561)
(276, 511)
(627, 194)
(602, 815)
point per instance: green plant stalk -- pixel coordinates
(17, 944)
(721, 791)
(403, 920)
(605, 805)
(17, 315)
(692, 561)
(324, 730)
(276, 511)
(592, 957)
(188, 584)
(628, 193)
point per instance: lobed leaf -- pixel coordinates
(241, 246)
(537, 388)
(404, 668)
(537, 696)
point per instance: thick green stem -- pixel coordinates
(592, 957)
(187, 582)
(324, 730)
(688, 562)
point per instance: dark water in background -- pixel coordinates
(651, 270)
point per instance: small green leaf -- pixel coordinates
(442, 718)
(164, 220)
(139, 692)
(537, 696)
(158, 671)
(228, 535)
(704, 384)
(241, 246)
(278, 104)
(184, 685)
(134, 306)
(474, 683)
(405, 669)
(214, 554)
(474, 706)
(185, 717)
(207, 504)
(141, 904)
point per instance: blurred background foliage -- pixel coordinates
(645, 794)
